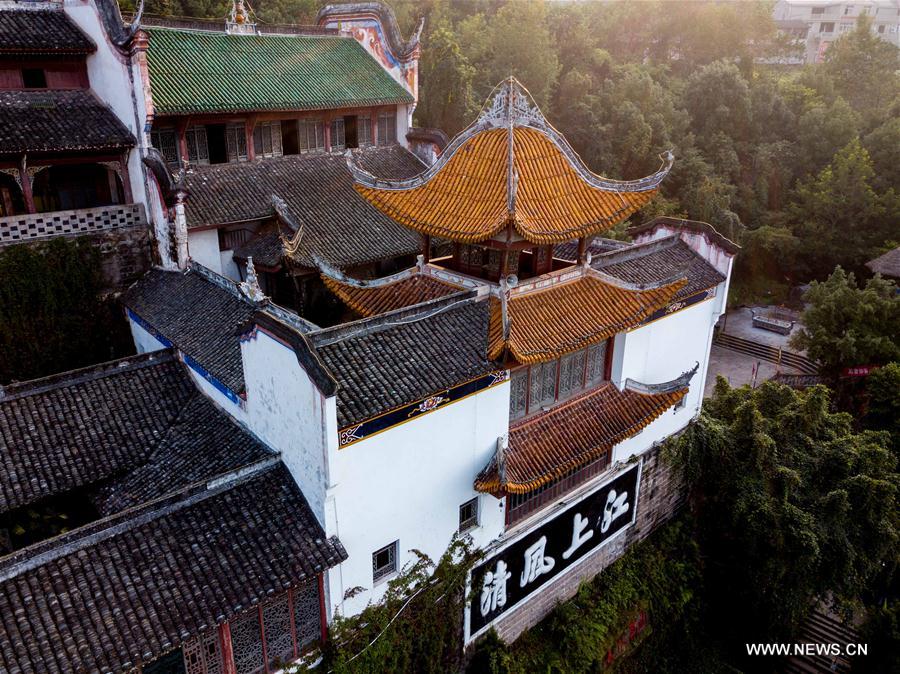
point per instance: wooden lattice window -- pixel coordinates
(571, 374)
(543, 384)
(203, 655)
(310, 135)
(518, 393)
(277, 630)
(198, 147)
(247, 644)
(267, 139)
(338, 138)
(236, 142)
(166, 141)
(307, 615)
(364, 130)
(387, 127)
(596, 363)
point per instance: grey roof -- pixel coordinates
(200, 312)
(682, 224)
(338, 224)
(380, 365)
(49, 121)
(659, 260)
(119, 592)
(138, 414)
(887, 264)
(46, 31)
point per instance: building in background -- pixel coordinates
(255, 111)
(70, 162)
(815, 25)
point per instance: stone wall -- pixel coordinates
(661, 493)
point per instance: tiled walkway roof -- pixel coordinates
(570, 436)
(117, 593)
(548, 323)
(659, 260)
(509, 166)
(381, 363)
(372, 300)
(47, 31)
(50, 121)
(337, 223)
(200, 71)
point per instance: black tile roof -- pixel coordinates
(338, 224)
(51, 121)
(659, 260)
(41, 32)
(122, 591)
(140, 414)
(380, 365)
(200, 313)
(264, 247)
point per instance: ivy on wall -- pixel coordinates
(53, 314)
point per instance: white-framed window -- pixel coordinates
(310, 135)
(818, 10)
(468, 515)
(387, 127)
(364, 130)
(267, 139)
(384, 562)
(826, 27)
(166, 141)
(198, 148)
(236, 142)
(338, 137)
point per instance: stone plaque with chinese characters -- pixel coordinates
(509, 577)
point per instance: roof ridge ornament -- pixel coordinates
(240, 21)
(250, 287)
(680, 382)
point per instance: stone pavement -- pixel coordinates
(737, 368)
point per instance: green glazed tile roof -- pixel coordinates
(194, 71)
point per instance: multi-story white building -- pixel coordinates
(516, 389)
(816, 25)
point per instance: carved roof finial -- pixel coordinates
(250, 287)
(240, 20)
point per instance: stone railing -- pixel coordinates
(29, 226)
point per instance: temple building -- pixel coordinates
(240, 113)
(69, 157)
(513, 383)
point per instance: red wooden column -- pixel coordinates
(26, 185)
(182, 140)
(227, 653)
(326, 121)
(249, 126)
(373, 117)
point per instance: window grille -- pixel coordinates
(203, 654)
(364, 130)
(518, 393)
(338, 139)
(310, 135)
(543, 384)
(596, 363)
(246, 643)
(236, 142)
(520, 506)
(198, 148)
(277, 630)
(384, 561)
(267, 139)
(387, 128)
(307, 614)
(468, 515)
(571, 373)
(166, 141)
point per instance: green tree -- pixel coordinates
(53, 316)
(838, 215)
(791, 504)
(844, 325)
(883, 409)
(864, 68)
(823, 131)
(446, 91)
(718, 99)
(883, 145)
